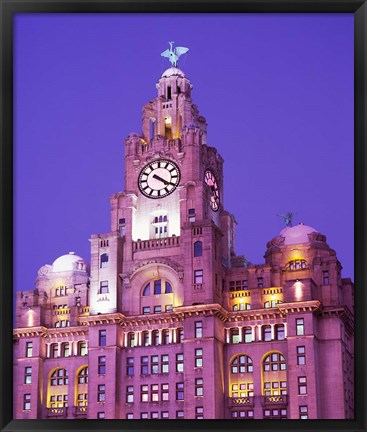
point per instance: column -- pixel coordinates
(47, 350)
(272, 331)
(259, 333)
(240, 335)
(160, 336)
(125, 339)
(253, 330)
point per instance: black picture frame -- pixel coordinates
(10, 7)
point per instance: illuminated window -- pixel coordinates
(160, 287)
(180, 391)
(131, 339)
(302, 385)
(101, 394)
(54, 350)
(275, 413)
(144, 393)
(154, 415)
(198, 357)
(82, 399)
(242, 364)
(29, 349)
(102, 365)
(27, 402)
(179, 362)
(199, 413)
(241, 306)
(144, 365)
(274, 362)
(58, 401)
(102, 338)
(158, 309)
(146, 290)
(303, 412)
(169, 308)
(160, 226)
(244, 389)
(198, 329)
(164, 392)
(122, 226)
(180, 335)
(28, 375)
(165, 363)
(198, 248)
(300, 327)
(130, 366)
(279, 332)
(83, 376)
(144, 415)
(180, 414)
(198, 277)
(271, 304)
(155, 337)
(301, 355)
(59, 377)
(146, 310)
(65, 349)
(129, 394)
(129, 416)
(154, 392)
(165, 337)
(235, 335)
(103, 287)
(104, 260)
(164, 414)
(145, 338)
(199, 387)
(297, 264)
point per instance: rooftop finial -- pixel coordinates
(287, 218)
(174, 53)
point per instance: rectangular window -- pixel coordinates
(164, 392)
(198, 277)
(301, 355)
(164, 414)
(146, 310)
(180, 335)
(154, 392)
(28, 375)
(199, 387)
(169, 308)
(191, 215)
(158, 286)
(179, 362)
(157, 309)
(198, 329)
(154, 415)
(198, 357)
(325, 278)
(27, 402)
(180, 391)
(122, 226)
(102, 337)
(130, 394)
(180, 414)
(303, 412)
(130, 366)
(144, 365)
(199, 413)
(154, 364)
(144, 415)
(248, 334)
(260, 282)
(300, 327)
(101, 395)
(164, 363)
(29, 349)
(302, 385)
(103, 287)
(101, 415)
(102, 365)
(144, 393)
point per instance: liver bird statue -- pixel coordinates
(174, 53)
(287, 218)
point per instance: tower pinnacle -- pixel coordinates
(174, 53)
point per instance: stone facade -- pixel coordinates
(170, 322)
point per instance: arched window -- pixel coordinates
(198, 248)
(266, 333)
(57, 324)
(274, 375)
(59, 377)
(104, 260)
(146, 290)
(83, 375)
(242, 364)
(168, 288)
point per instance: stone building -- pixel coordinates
(170, 322)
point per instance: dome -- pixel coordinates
(297, 234)
(172, 71)
(68, 263)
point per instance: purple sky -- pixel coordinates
(276, 90)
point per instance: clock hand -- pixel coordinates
(160, 179)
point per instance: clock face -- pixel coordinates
(159, 178)
(212, 183)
